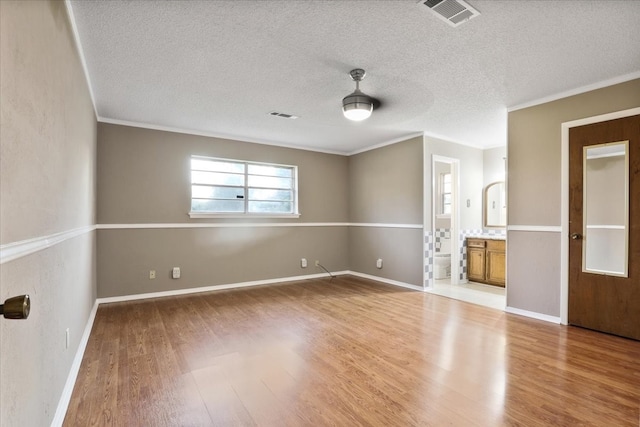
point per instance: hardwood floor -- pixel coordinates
(346, 352)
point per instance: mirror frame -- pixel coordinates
(486, 206)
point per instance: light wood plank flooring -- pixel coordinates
(346, 352)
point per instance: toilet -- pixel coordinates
(442, 260)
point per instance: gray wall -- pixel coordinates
(47, 179)
(385, 187)
(143, 178)
(144, 175)
(494, 165)
(534, 166)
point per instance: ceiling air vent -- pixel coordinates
(454, 12)
(283, 115)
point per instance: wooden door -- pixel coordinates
(604, 302)
(496, 263)
(475, 264)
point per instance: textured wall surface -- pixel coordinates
(494, 165)
(385, 187)
(400, 250)
(144, 178)
(144, 175)
(47, 179)
(534, 188)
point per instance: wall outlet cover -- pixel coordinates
(175, 273)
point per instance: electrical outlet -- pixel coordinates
(379, 263)
(152, 274)
(317, 263)
(175, 273)
(303, 263)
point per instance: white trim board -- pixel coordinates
(564, 199)
(387, 281)
(390, 142)
(577, 91)
(252, 224)
(535, 228)
(15, 250)
(176, 292)
(532, 314)
(382, 225)
(67, 391)
(210, 134)
(22, 248)
(213, 134)
(80, 51)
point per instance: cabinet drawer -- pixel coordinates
(495, 245)
(474, 243)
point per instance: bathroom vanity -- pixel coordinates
(486, 261)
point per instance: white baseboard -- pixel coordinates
(67, 391)
(387, 281)
(176, 292)
(533, 314)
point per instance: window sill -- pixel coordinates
(196, 215)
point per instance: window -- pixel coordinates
(236, 188)
(445, 194)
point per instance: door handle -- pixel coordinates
(16, 307)
(576, 236)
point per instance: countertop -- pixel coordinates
(487, 237)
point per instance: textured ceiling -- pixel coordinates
(219, 67)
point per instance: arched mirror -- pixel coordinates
(495, 205)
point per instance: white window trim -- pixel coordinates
(204, 215)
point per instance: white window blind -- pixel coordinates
(234, 187)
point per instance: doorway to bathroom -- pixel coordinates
(447, 260)
(445, 219)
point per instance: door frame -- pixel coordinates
(564, 202)
(454, 165)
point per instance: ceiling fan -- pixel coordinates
(358, 106)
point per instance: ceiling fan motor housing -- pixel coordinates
(357, 101)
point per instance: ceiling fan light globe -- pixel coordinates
(357, 114)
(357, 106)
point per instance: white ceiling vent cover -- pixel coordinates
(454, 12)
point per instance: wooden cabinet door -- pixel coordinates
(496, 267)
(475, 264)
